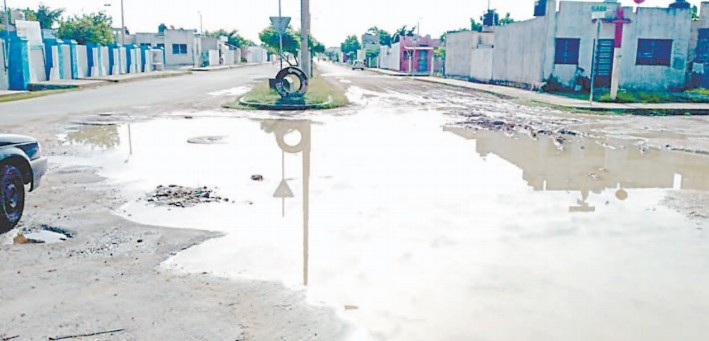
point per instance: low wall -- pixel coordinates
(4, 80)
(481, 64)
(82, 61)
(38, 71)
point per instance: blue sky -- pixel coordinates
(333, 20)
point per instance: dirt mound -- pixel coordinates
(179, 196)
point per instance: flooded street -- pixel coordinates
(415, 227)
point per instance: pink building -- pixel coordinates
(412, 54)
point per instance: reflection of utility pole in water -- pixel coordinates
(281, 128)
(130, 144)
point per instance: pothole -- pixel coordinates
(179, 196)
(44, 235)
(208, 140)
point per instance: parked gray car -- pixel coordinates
(21, 164)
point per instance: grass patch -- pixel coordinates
(699, 92)
(31, 94)
(320, 92)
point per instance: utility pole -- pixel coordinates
(201, 27)
(305, 36)
(280, 36)
(7, 37)
(123, 26)
(593, 61)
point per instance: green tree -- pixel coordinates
(47, 17)
(233, 37)
(162, 28)
(291, 40)
(695, 13)
(87, 28)
(384, 36)
(350, 45)
(476, 26)
(506, 20)
(315, 46)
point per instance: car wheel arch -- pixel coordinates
(22, 164)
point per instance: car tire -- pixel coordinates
(12, 197)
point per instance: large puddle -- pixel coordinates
(419, 232)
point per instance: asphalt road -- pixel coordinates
(184, 91)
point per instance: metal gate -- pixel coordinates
(604, 63)
(423, 61)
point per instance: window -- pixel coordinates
(161, 46)
(654, 52)
(179, 48)
(567, 51)
(146, 44)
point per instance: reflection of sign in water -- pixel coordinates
(29, 30)
(281, 128)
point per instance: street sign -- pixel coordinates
(598, 12)
(280, 24)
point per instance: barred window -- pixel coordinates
(567, 51)
(654, 52)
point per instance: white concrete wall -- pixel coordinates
(66, 62)
(3, 73)
(656, 23)
(82, 61)
(213, 57)
(38, 73)
(459, 49)
(123, 59)
(104, 60)
(393, 58)
(256, 54)
(520, 51)
(481, 64)
(229, 58)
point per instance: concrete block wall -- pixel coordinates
(38, 70)
(520, 51)
(481, 64)
(4, 79)
(459, 49)
(82, 62)
(676, 24)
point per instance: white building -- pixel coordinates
(558, 45)
(182, 47)
(255, 54)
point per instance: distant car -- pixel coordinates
(358, 64)
(21, 164)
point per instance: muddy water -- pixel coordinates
(419, 232)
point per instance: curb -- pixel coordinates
(152, 75)
(639, 111)
(287, 107)
(223, 68)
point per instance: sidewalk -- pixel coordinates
(701, 108)
(99, 81)
(222, 67)
(10, 92)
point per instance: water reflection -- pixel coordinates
(281, 129)
(590, 167)
(95, 136)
